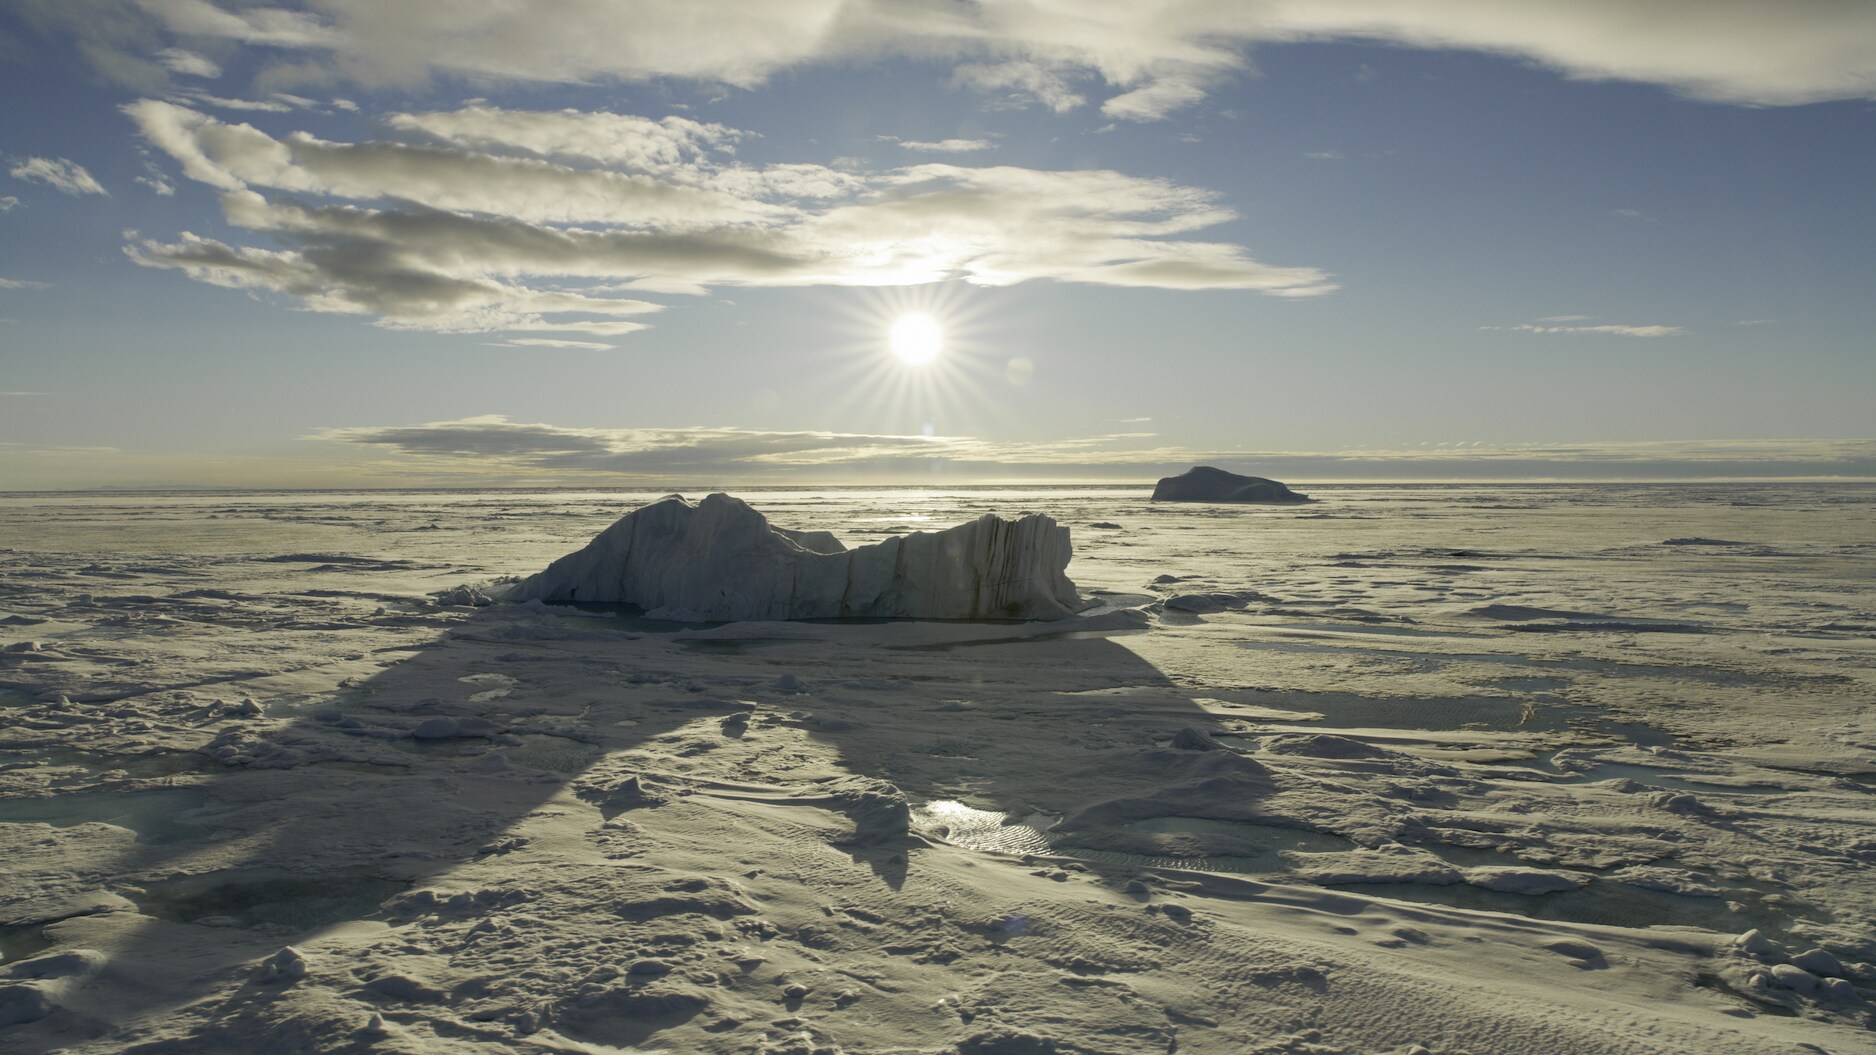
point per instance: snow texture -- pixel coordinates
(260, 792)
(720, 560)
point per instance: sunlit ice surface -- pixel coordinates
(1599, 710)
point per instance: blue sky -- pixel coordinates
(349, 243)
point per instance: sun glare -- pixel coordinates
(916, 338)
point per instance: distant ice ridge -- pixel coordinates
(721, 560)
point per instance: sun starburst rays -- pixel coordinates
(944, 388)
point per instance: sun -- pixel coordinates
(916, 338)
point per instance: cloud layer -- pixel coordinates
(1147, 57)
(503, 220)
(494, 446)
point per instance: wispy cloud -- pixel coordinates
(1547, 325)
(630, 142)
(550, 342)
(187, 63)
(1021, 83)
(1324, 155)
(945, 146)
(487, 226)
(59, 174)
(8, 203)
(749, 453)
(20, 283)
(221, 102)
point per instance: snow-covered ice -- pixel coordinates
(259, 790)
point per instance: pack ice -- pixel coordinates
(720, 559)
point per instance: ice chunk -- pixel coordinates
(1817, 961)
(1190, 739)
(287, 965)
(1754, 943)
(721, 560)
(1796, 979)
(463, 595)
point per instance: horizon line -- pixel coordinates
(929, 486)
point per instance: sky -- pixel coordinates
(348, 243)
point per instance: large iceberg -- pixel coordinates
(1206, 484)
(721, 560)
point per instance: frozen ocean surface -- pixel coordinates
(1477, 768)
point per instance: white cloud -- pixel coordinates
(1739, 51)
(268, 26)
(234, 156)
(158, 185)
(8, 203)
(947, 146)
(60, 174)
(187, 63)
(1324, 155)
(1607, 329)
(20, 283)
(486, 230)
(1153, 56)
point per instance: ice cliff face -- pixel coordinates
(721, 560)
(1206, 484)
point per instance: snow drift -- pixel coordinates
(1206, 484)
(721, 560)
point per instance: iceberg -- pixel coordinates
(721, 560)
(1206, 484)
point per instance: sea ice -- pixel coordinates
(806, 838)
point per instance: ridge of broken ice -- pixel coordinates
(720, 559)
